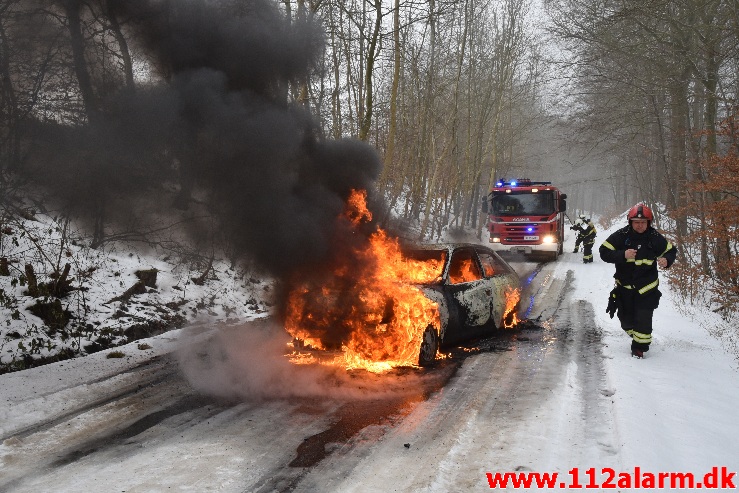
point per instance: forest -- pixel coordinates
(242, 123)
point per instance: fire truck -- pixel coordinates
(527, 217)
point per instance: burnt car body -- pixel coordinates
(449, 293)
(470, 292)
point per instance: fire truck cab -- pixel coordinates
(526, 217)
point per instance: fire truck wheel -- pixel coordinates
(429, 346)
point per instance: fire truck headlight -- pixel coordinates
(494, 239)
(548, 239)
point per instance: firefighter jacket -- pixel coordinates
(638, 274)
(585, 233)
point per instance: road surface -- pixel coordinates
(212, 410)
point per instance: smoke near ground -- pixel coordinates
(250, 363)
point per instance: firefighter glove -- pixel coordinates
(613, 302)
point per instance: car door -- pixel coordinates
(469, 292)
(501, 278)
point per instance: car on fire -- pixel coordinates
(436, 296)
(476, 292)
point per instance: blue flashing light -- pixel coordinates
(529, 229)
(523, 182)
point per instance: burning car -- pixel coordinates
(476, 291)
(405, 307)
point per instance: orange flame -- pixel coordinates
(369, 308)
(465, 274)
(510, 317)
(356, 207)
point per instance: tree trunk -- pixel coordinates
(392, 126)
(125, 53)
(33, 291)
(366, 124)
(10, 155)
(336, 112)
(77, 42)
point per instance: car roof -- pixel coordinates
(446, 246)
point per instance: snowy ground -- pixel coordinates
(674, 411)
(189, 286)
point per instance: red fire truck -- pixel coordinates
(526, 216)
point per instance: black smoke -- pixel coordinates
(214, 119)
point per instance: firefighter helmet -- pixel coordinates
(640, 211)
(583, 217)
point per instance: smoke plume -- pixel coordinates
(209, 128)
(212, 119)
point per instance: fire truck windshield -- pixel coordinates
(523, 203)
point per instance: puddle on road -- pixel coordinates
(351, 418)
(355, 416)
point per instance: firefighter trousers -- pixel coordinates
(635, 313)
(587, 252)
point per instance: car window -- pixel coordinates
(492, 265)
(422, 266)
(488, 266)
(463, 267)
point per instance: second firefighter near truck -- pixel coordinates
(586, 236)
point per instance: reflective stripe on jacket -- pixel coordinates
(639, 273)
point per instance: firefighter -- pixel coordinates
(576, 227)
(585, 235)
(637, 250)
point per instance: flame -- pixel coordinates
(465, 274)
(368, 306)
(356, 207)
(510, 317)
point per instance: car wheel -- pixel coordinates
(429, 346)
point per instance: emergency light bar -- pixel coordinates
(521, 182)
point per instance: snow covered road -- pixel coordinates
(218, 409)
(137, 424)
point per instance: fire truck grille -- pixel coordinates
(523, 233)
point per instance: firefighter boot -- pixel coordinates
(637, 349)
